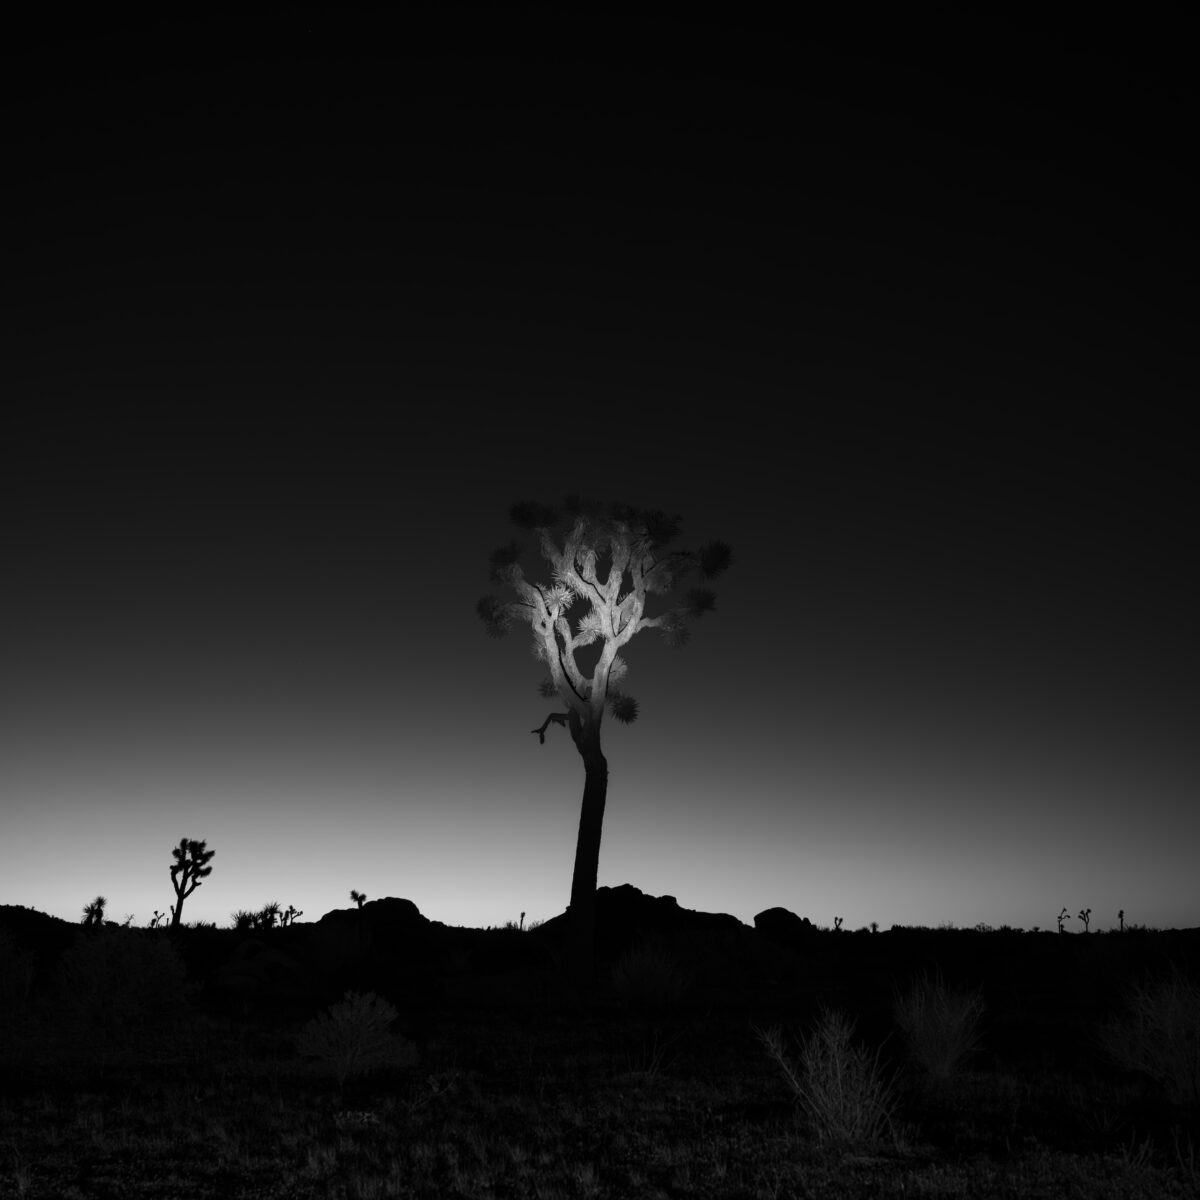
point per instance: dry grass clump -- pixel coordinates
(939, 1025)
(839, 1086)
(1158, 1035)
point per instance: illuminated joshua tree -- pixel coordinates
(191, 867)
(605, 561)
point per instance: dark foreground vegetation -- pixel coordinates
(712, 1061)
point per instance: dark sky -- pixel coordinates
(295, 307)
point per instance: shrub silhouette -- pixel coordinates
(16, 976)
(352, 1038)
(839, 1086)
(648, 977)
(1158, 1035)
(119, 981)
(940, 1026)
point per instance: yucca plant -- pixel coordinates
(607, 564)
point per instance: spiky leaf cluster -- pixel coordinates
(623, 708)
(529, 514)
(503, 563)
(715, 557)
(494, 615)
(558, 598)
(699, 601)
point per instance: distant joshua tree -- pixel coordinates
(359, 898)
(93, 914)
(290, 915)
(190, 869)
(605, 561)
(837, 924)
(1063, 916)
(1121, 918)
(1085, 915)
(268, 914)
(157, 919)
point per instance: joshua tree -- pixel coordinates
(93, 914)
(1085, 915)
(292, 912)
(267, 915)
(1063, 916)
(606, 562)
(1121, 918)
(191, 867)
(358, 897)
(157, 919)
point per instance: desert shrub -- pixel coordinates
(939, 1025)
(838, 1085)
(648, 977)
(117, 980)
(1158, 1035)
(353, 1038)
(16, 976)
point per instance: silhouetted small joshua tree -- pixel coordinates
(1085, 915)
(837, 924)
(606, 563)
(359, 898)
(157, 919)
(1121, 918)
(93, 914)
(1063, 916)
(268, 914)
(191, 867)
(291, 913)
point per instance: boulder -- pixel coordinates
(784, 927)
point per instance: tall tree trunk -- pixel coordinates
(581, 928)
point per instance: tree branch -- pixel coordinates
(557, 718)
